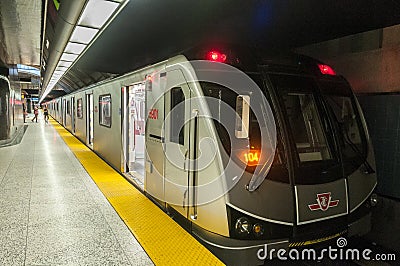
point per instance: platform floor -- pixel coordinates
(51, 211)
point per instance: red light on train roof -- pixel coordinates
(216, 56)
(326, 70)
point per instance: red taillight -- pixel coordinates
(216, 56)
(326, 70)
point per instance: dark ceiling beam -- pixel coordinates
(79, 81)
(67, 85)
(31, 91)
(86, 76)
(54, 94)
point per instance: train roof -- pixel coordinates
(252, 59)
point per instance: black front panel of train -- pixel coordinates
(328, 144)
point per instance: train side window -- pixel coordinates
(105, 110)
(177, 116)
(68, 108)
(79, 113)
(243, 116)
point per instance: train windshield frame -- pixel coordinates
(311, 136)
(243, 138)
(345, 114)
(316, 104)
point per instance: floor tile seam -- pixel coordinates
(150, 248)
(72, 157)
(100, 208)
(8, 167)
(129, 218)
(30, 199)
(75, 162)
(111, 205)
(167, 255)
(127, 228)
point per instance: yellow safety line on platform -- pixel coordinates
(163, 239)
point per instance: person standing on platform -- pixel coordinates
(25, 112)
(46, 115)
(36, 113)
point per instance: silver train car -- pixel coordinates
(154, 124)
(11, 113)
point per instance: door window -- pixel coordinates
(177, 116)
(105, 110)
(79, 112)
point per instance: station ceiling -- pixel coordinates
(146, 31)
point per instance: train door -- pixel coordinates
(177, 142)
(154, 141)
(73, 114)
(64, 112)
(89, 119)
(134, 129)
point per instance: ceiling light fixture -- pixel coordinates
(94, 19)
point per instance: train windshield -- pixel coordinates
(310, 132)
(309, 128)
(343, 109)
(317, 113)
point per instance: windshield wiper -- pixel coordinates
(344, 135)
(368, 167)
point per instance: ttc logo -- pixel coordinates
(324, 202)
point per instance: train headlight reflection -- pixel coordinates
(373, 199)
(243, 226)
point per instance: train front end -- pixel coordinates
(319, 185)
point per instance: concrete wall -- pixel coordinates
(371, 63)
(382, 112)
(370, 60)
(386, 225)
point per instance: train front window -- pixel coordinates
(241, 131)
(346, 117)
(352, 139)
(299, 101)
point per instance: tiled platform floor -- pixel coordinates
(51, 212)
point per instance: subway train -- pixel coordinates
(11, 113)
(247, 150)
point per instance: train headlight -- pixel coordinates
(258, 229)
(373, 199)
(243, 226)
